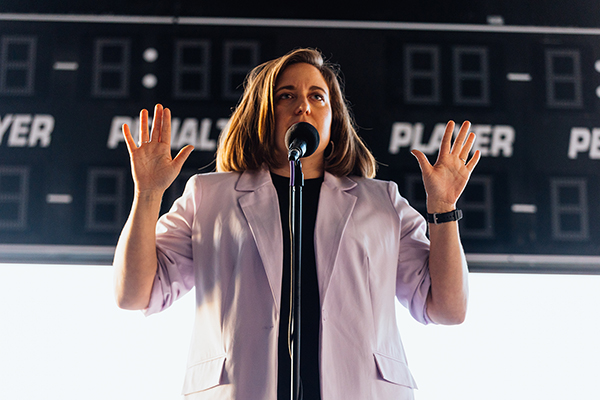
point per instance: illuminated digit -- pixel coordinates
(191, 69)
(14, 196)
(111, 65)
(239, 58)
(105, 198)
(471, 76)
(569, 209)
(563, 79)
(422, 74)
(17, 65)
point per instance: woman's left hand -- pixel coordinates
(446, 179)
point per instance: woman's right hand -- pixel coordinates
(152, 166)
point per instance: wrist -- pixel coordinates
(439, 207)
(148, 195)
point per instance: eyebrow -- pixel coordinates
(292, 87)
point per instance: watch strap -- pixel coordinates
(440, 218)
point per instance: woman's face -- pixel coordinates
(302, 95)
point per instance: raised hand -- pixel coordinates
(152, 166)
(446, 179)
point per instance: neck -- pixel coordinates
(310, 168)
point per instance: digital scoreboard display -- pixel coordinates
(68, 83)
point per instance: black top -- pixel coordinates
(310, 302)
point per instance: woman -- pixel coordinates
(226, 236)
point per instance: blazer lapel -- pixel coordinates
(261, 209)
(335, 208)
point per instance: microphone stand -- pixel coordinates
(296, 184)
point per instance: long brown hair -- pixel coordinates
(248, 142)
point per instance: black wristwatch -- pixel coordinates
(436, 218)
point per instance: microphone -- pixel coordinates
(302, 140)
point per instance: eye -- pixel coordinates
(320, 97)
(284, 96)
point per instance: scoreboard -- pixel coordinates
(68, 83)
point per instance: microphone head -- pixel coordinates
(305, 132)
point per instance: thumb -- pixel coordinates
(183, 155)
(422, 160)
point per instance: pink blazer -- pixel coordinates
(224, 237)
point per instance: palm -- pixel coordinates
(152, 166)
(446, 179)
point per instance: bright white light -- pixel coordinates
(495, 20)
(56, 198)
(526, 337)
(150, 54)
(523, 208)
(62, 329)
(518, 76)
(149, 81)
(65, 66)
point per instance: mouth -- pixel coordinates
(295, 122)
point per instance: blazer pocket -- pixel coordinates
(394, 371)
(204, 375)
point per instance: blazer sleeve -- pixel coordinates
(174, 250)
(412, 279)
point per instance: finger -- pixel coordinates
(128, 139)
(464, 153)
(447, 138)
(424, 163)
(144, 135)
(460, 139)
(165, 131)
(473, 161)
(157, 122)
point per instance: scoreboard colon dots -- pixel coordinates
(112, 66)
(191, 67)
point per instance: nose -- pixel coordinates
(303, 106)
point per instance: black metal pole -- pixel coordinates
(296, 184)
